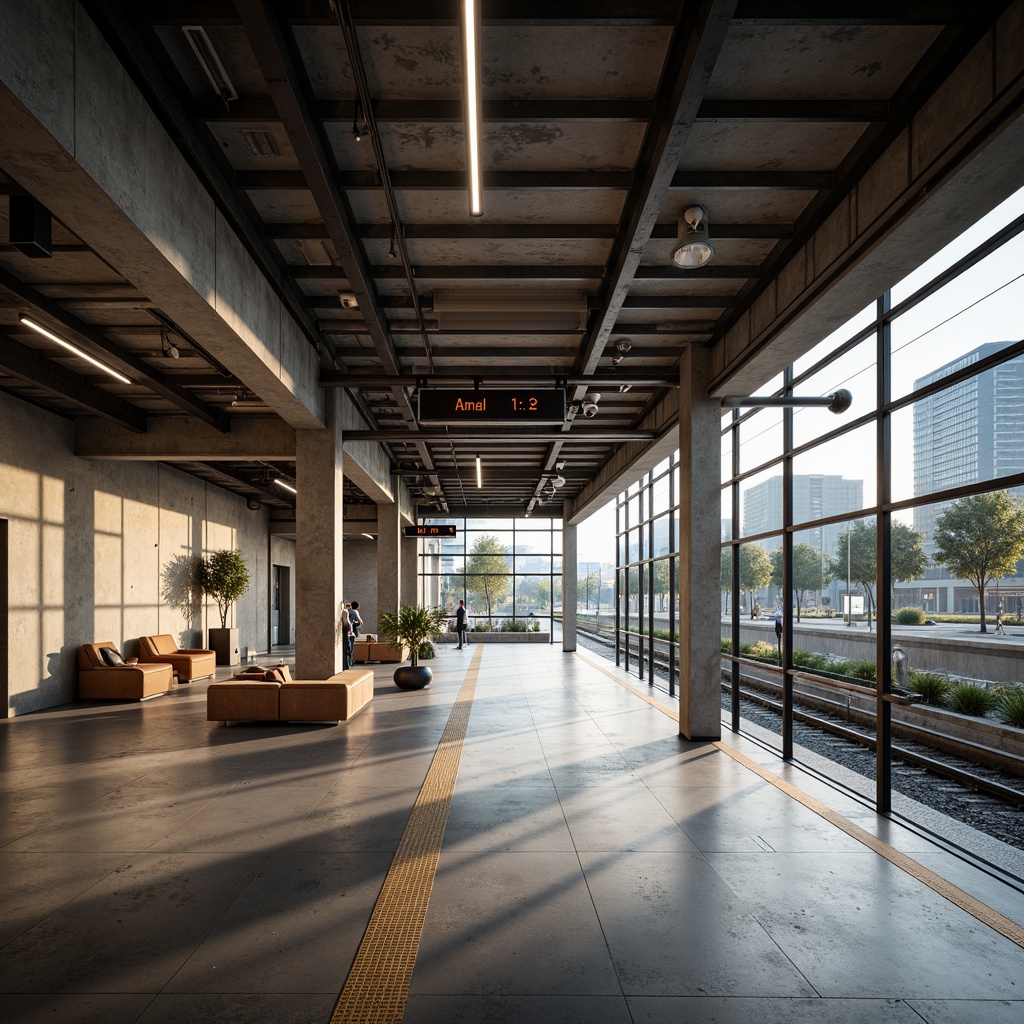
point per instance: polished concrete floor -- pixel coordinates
(596, 869)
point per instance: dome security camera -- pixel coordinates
(589, 406)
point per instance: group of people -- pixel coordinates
(351, 620)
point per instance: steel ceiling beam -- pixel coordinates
(33, 367)
(696, 43)
(500, 434)
(94, 341)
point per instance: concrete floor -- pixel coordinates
(595, 868)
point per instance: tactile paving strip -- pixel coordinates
(377, 986)
(964, 900)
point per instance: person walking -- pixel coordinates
(999, 622)
(461, 624)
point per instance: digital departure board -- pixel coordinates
(442, 530)
(528, 406)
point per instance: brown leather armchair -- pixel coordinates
(188, 662)
(98, 680)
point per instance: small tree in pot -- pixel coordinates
(224, 576)
(415, 628)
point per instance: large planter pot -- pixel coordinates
(224, 642)
(412, 677)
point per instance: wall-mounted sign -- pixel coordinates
(452, 406)
(442, 530)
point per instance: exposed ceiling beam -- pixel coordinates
(693, 51)
(94, 341)
(316, 230)
(334, 379)
(509, 434)
(30, 365)
(450, 181)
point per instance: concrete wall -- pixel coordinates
(360, 560)
(96, 550)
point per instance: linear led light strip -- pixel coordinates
(73, 348)
(285, 486)
(471, 72)
(479, 473)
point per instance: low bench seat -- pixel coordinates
(297, 700)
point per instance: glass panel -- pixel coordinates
(819, 492)
(858, 322)
(489, 525)
(488, 542)
(659, 501)
(633, 551)
(970, 432)
(760, 438)
(533, 596)
(726, 513)
(810, 576)
(965, 321)
(761, 502)
(726, 472)
(533, 542)
(661, 539)
(755, 578)
(971, 238)
(856, 371)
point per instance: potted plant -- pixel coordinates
(224, 576)
(413, 627)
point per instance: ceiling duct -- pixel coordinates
(493, 309)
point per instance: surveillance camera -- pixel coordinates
(589, 406)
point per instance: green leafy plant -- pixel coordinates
(513, 626)
(224, 576)
(908, 617)
(413, 627)
(809, 660)
(1010, 706)
(931, 686)
(970, 699)
(857, 668)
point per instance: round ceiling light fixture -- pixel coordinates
(693, 248)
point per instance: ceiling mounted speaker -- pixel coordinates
(253, 504)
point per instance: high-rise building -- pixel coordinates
(815, 496)
(971, 431)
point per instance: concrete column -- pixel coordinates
(318, 546)
(569, 576)
(409, 585)
(389, 557)
(700, 712)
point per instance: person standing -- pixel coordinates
(355, 620)
(346, 631)
(461, 624)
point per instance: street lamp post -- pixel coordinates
(849, 596)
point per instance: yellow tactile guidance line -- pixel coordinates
(981, 911)
(377, 986)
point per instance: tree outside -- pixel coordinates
(726, 578)
(806, 571)
(487, 573)
(755, 570)
(981, 538)
(906, 553)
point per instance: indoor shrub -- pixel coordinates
(969, 699)
(932, 687)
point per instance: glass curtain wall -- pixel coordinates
(646, 588)
(852, 543)
(508, 571)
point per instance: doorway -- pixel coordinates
(280, 606)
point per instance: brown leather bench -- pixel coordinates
(296, 700)
(97, 680)
(188, 662)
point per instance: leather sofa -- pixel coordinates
(370, 650)
(274, 696)
(188, 662)
(99, 681)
